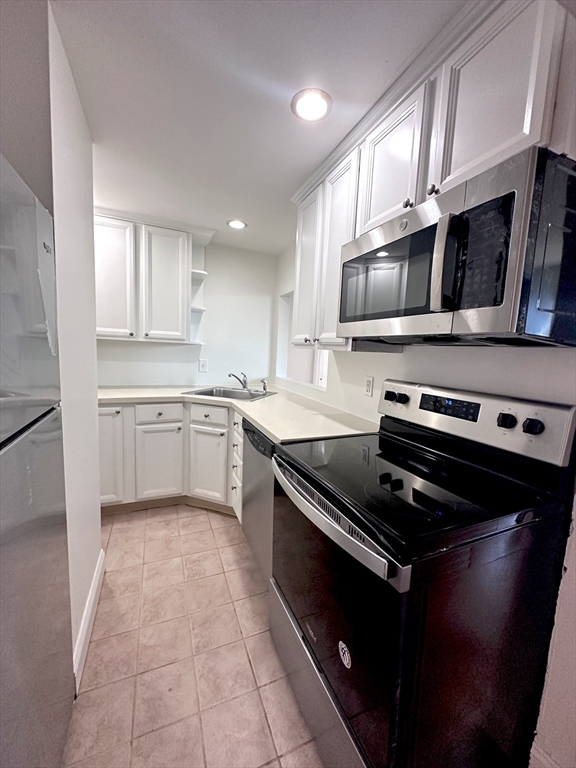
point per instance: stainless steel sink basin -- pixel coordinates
(231, 392)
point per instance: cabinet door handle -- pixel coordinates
(159, 413)
(145, 334)
(233, 487)
(179, 429)
(234, 466)
(222, 434)
(234, 445)
(306, 340)
(131, 333)
(236, 423)
(407, 203)
(433, 190)
(315, 339)
(117, 413)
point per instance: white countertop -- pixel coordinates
(283, 416)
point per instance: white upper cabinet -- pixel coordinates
(111, 455)
(497, 91)
(159, 460)
(114, 256)
(338, 228)
(208, 463)
(308, 251)
(391, 170)
(165, 284)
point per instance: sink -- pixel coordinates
(231, 392)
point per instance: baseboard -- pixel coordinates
(136, 506)
(83, 639)
(540, 759)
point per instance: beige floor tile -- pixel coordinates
(121, 614)
(185, 511)
(214, 627)
(203, 564)
(303, 757)
(124, 555)
(129, 518)
(127, 581)
(110, 659)
(106, 522)
(127, 533)
(193, 524)
(198, 542)
(273, 764)
(237, 556)
(221, 520)
(164, 696)
(227, 537)
(207, 593)
(288, 727)
(163, 604)
(175, 746)
(163, 573)
(246, 582)
(265, 661)
(119, 757)
(101, 720)
(164, 643)
(162, 549)
(248, 743)
(253, 614)
(162, 513)
(223, 673)
(162, 529)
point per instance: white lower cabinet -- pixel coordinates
(111, 455)
(159, 460)
(208, 463)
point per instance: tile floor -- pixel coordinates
(181, 671)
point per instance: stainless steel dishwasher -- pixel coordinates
(258, 495)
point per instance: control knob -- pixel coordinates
(402, 398)
(507, 420)
(390, 395)
(533, 426)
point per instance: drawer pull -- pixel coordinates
(234, 466)
(234, 445)
(117, 413)
(233, 487)
(222, 434)
(159, 413)
(206, 415)
(236, 423)
(179, 429)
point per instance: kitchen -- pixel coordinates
(187, 634)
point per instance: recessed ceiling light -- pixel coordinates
(311, 104)
(237, 224)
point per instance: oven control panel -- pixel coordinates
(540, 430)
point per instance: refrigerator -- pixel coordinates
(36, 670)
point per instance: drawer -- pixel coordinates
(209, 414)
(236, 497)
(237, 466)
(153, 412)
(238, 446)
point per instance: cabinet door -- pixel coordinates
(308, 254)
(114, 258)
(392, 163)
(165, 284)
(340, 190)
(497, 91)
(111, 455)
(208, 466)
(159, 460)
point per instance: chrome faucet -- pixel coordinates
(264, 385)
(243, 381)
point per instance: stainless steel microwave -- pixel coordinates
(492, 260)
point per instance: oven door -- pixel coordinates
(399, 278)
(349, 616)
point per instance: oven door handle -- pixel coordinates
(387, 569)
(438, 261)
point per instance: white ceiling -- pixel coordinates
(188, 101)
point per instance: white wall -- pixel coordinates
(239, 296)
(539, 374)
(74, 249)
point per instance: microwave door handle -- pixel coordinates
(437, 272)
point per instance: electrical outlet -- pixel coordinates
(203, 366)
(369, 386)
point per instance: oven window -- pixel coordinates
(481, 277)
(351, 619)
(391, 281)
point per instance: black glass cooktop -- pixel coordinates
(410, 496)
